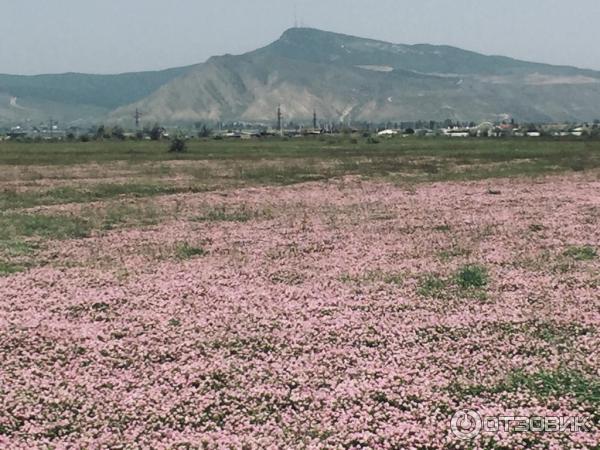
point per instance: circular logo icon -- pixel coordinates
(466, 424)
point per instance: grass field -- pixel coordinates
(304, 293)
(82, 172)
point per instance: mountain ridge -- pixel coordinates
(341, 76)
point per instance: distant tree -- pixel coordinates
(100, 132)
(204, 131)
(118, 133)
(156, 132)
(178, 144)
(409, 131)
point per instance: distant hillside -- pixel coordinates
(73, 96)
(349, 78)
(343, 78)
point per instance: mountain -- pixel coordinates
(341, 77)
(345, 77)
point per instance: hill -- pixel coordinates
(342, 77)
(345, 77)
(75, 97)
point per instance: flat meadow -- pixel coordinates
(327, 293)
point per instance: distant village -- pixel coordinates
(239, 130)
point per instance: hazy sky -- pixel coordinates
(107, 36)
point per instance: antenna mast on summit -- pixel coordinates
(295, 16)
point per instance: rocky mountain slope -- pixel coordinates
(343, 78)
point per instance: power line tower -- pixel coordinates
(137, 116)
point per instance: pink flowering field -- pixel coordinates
(348, 313)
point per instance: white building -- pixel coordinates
(387, 133)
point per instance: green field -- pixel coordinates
(41, 174)
(327, 147)
(99, 180)
(341, 154)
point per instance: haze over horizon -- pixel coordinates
(113, 37)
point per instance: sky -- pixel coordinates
(114, 36)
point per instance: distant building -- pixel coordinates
(251, 134)
(387, 133)
(456, 132)
(313, 132)
(577, 131)
(231, 135)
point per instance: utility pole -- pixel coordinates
(137, 116)
(279, 121)
(315, 119)
(51, 127)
